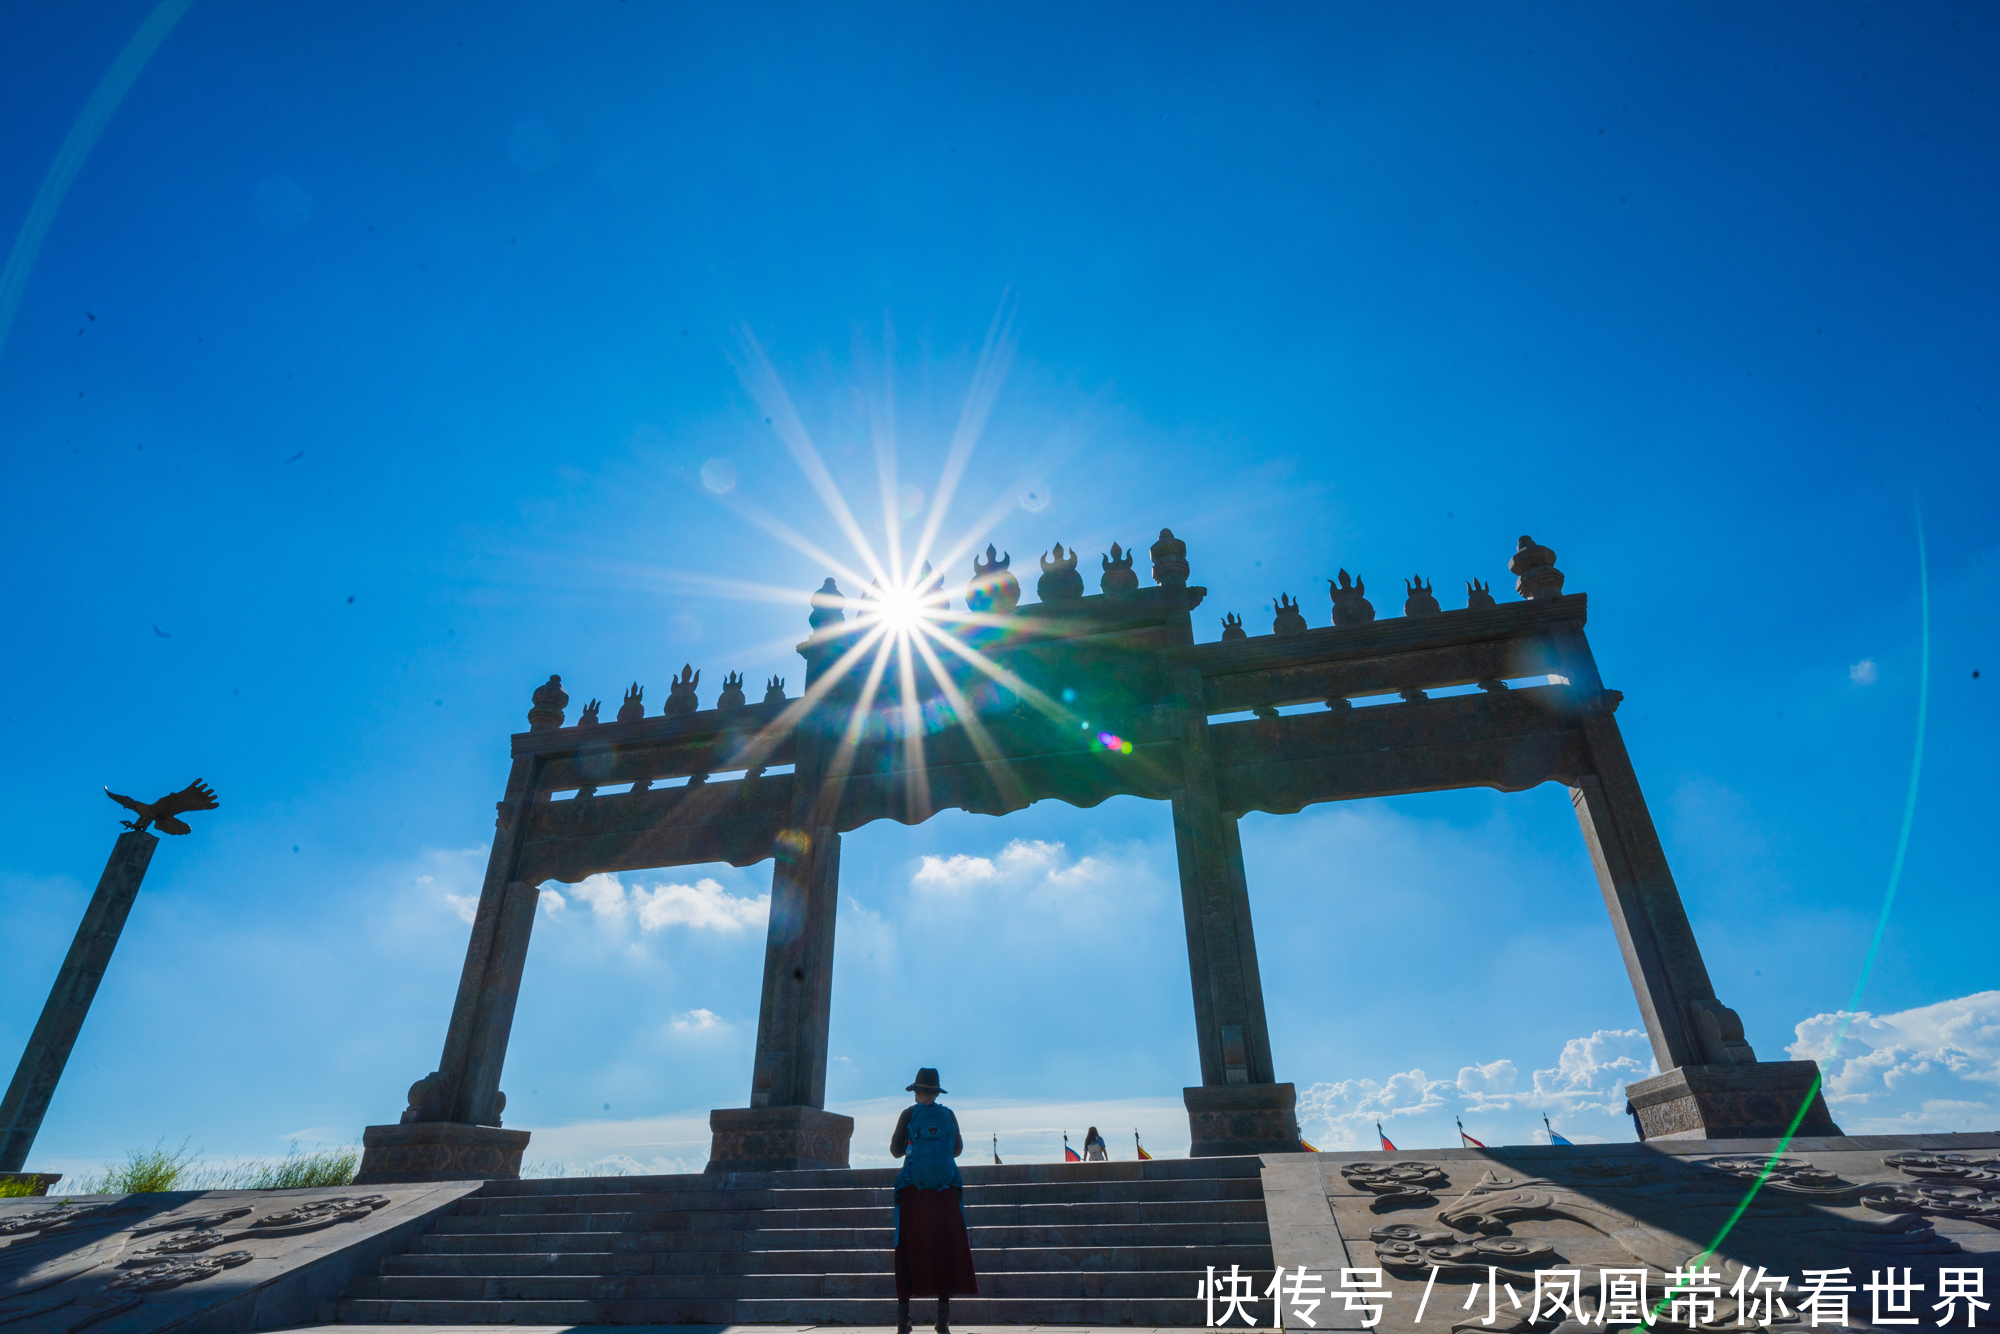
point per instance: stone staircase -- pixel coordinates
(1069, 1244)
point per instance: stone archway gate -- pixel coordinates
(1082, 698)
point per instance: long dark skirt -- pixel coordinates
(933, 1254)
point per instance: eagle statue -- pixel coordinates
(194, 797)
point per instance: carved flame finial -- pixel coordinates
(1059, 582)
(992, 588)
(549, 700)
(826, 606)
(1119, 576)
(588, 718)
(1535, 572)
(634, 706)
(1289, 620)
(774, 690)
(732, 692)
(1478, 594)
(1232, 628)
(1350, 604)
(1170, 566)
(1421, 601)
(680, 696)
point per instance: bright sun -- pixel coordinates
(901, 608)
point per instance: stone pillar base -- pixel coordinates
(1228, 1119)
(38, 1182)
(1756, 1100)
(439, 1151)
(778, 1139)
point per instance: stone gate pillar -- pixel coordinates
(451, 1131)
(1711, 1085)
(1239, 1107)
(786, 1127)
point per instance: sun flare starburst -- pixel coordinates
(901, 661)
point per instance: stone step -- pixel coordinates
(445, 1238)
(883, 1197)
(740, 1220)
(751, 1287)
(1162, 1169)
(1158, 1312)
(1024, 1259)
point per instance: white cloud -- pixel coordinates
(553, 903)
(1864, 673)
(1931, 1068)
(1592, 1072)
(604, 894)
(1350, 1108)
(1586, 1084)
(1478, 1081)
(703, 905)
(695, 1021)
(465, 905)
(1023, 863)
(955, 872)
(1022, 857)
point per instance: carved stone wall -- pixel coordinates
(213, 1261)
(1490, 1220)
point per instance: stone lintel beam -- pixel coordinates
(1383, 674)
(605, 766)
(1512, 740)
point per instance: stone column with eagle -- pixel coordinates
(41, 1067)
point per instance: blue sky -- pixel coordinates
(368, 370)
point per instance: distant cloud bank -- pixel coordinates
(1583, 1093)
(1932, 1068)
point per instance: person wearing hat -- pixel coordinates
(933, 1252)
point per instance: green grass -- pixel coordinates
(327, 1167)
(160, 1168)
(11, 1188)
(154, 1169)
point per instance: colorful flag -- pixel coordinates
(1070, 1155)
(1466, 1139)
(1553, 1137)
(1387, 1147)
(996, 1151)
(1144, 1157)
(1304, 1147)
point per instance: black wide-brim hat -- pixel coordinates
(927, 1078)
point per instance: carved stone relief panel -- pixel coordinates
(1473, 1229)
